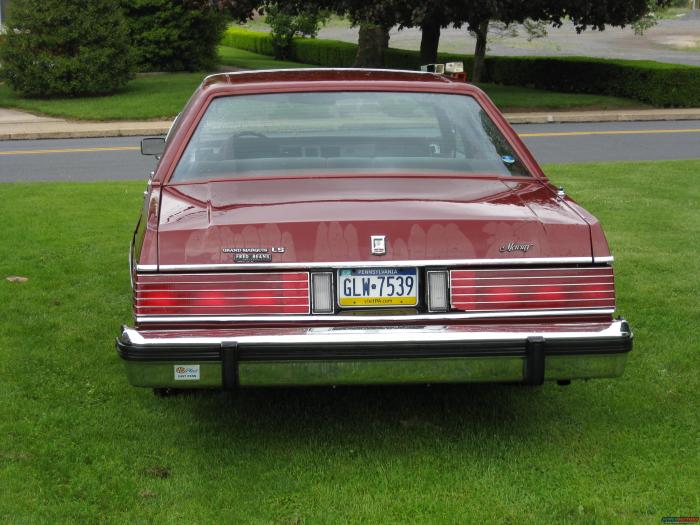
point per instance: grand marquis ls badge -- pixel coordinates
(253, 255)
(378, 244)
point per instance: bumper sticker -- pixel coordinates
(186, 372)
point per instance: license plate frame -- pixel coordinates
(374, 274)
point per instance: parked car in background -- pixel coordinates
(324, 227)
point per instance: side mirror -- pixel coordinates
(152, 146)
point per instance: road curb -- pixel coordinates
(84, 134)
(603, 116)
(75, 130)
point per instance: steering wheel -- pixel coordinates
(230, 149)
(247, 133)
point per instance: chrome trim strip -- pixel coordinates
(194, 298)
(590, 268)
(146, 267)
(375, 335)
(518, 293)
(373, 264)
(606, 259)
(228, 305)
(155, 290)
(610, 284)
(282, 318)
(384, 70)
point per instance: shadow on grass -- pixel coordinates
(368, 415)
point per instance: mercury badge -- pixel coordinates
(378, 244)
(516, 247)
(253, 255)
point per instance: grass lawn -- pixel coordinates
(518, 98)
(146, 97)
(78, 444)
(163, 96)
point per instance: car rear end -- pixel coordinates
(229, 329)
(310, 253)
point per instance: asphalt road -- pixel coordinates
(119, 158)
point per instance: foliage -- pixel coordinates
(173, 35)
(239, 58)
(79, 445)
(146, 97)
(649, 82)
(475, 14)
(285, 26)
(162, 96)
(65, 48)
(255, 41)
(664, 85)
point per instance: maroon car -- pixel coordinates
(324, 227)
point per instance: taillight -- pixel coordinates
(532, 289)
(222, 294)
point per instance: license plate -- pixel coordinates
(362, 287)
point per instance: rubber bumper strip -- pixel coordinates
(229, 365)
(534, 364)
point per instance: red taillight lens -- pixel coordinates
(162, 299)
(532, 289)
(222, 294)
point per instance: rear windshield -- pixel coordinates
(374, 132)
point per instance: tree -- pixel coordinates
(583, 14)
(372, 42)
(285, 25)
(176, 35)
(475, 15)
(65, 48)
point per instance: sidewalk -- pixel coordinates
(17, 125)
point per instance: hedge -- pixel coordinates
(655, 83)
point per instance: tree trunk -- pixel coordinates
(372, 43)
(429, 41)
(480, 51)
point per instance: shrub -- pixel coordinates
(284, 27)
(254, 41)
(173, 35)
(654, 83)
(65, 48)
(330, 53)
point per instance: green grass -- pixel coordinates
(146, 97)
(672, 12)
(163, 96)
(78, 444)
(517, 98)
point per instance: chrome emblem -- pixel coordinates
(252, 255)
(378, 244)
(516, 247)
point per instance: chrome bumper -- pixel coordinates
(371, 355)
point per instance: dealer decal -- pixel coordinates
(186, 372)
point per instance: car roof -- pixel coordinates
(324, 75)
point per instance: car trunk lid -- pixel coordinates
(331, 220)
